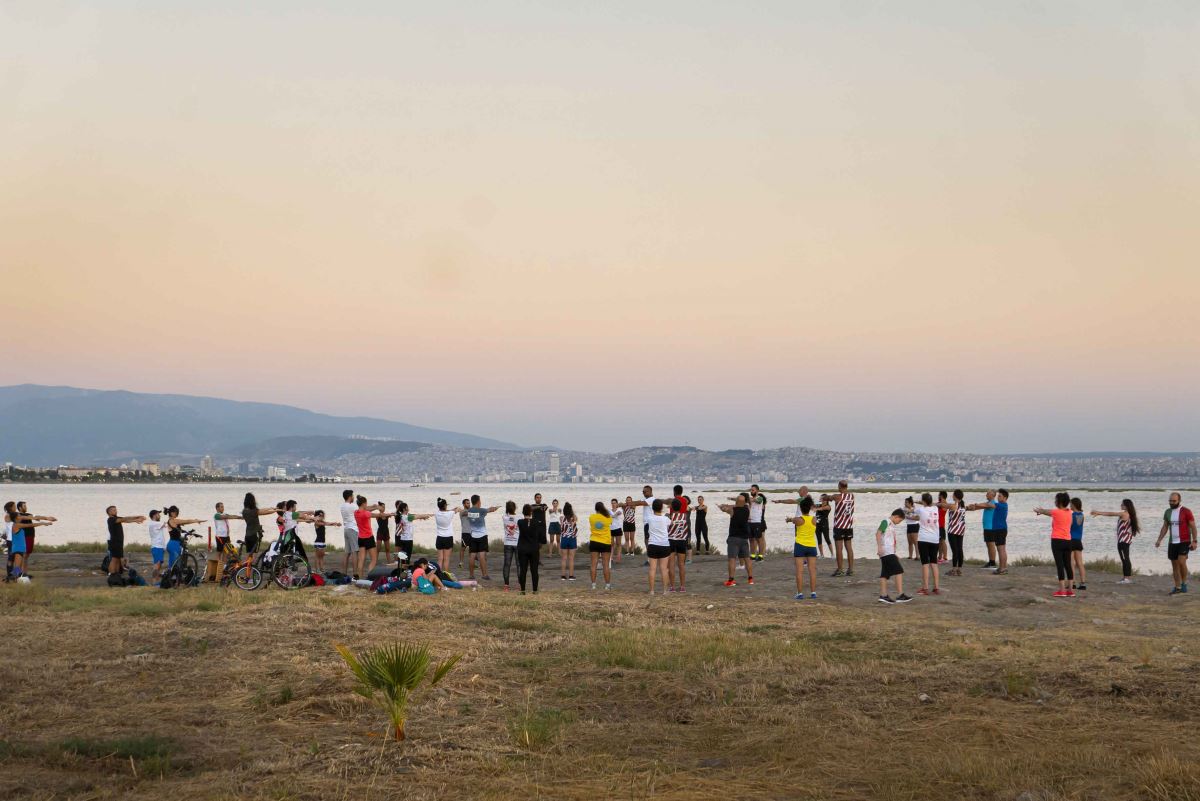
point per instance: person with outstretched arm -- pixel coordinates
(1180, 525)
(737, 545)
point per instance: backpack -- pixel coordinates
(167, 581)
(135, 579)
(316, 580)
(117, 580)
(335, 576)
(426, 586)
(105, 562)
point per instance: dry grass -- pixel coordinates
(211, 694)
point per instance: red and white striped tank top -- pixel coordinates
(843, 515)
(1124, 531)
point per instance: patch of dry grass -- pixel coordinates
(608, 697)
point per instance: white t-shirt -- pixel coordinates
(618, 519)
(290, 520)
(889, 537)
(553, 517)
(1175, 526)
(158, 533)
(220, 528)
(648, 511)
(660, 528)
(405, 527)
(927, 519)
(348, 523)
(757, 505)
(510, 530)
(444, 521)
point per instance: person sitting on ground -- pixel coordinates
(422, 570)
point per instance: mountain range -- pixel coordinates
(42, 425)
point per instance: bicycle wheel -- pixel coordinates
(190, 568)
(248, 578)
(290, 572)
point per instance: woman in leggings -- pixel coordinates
(701, 524)
(956, 530)
(1060, 542)
(1127, 529)
(529, 546)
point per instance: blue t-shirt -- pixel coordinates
(1000, 516)
(478, 517)
(987, 519)
(1077, 525)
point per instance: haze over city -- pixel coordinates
(854, 226)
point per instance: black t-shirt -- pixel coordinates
(529, 538)
(254, 527)
(383, 527)
(116, 532)
(320, 533)
(539, 514)
(739, 522)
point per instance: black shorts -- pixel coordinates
(658, 551)
(382, 537)
(405, 545)
(479, 544)
(366, 543)
(465, 539)
(1076, 545)
(890, 566)
(941, 533)
(116, 547)
(756, 530)
(1000, 536)
(600, 547)
(629, 528)
(928, 551)
(843, 533)
(989, 535)
(678, 546)
(914, 528)
(444, 543)
(1174, 550)
(221, 543)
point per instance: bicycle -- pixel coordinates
(286, 563)
(239, 571)
(185, 570)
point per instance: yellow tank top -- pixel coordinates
(806, 531)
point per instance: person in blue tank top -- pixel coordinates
(999, 510)
(1077, 543)
(988, 511)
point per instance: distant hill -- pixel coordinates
(321, 448)
(43, 425)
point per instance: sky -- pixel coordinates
(849, 225)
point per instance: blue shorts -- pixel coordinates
(156, 555)
(18, 541)
(799, 551)
(555, 528)
(569, 543)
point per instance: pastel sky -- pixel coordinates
(853, 225)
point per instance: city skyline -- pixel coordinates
(845, 226)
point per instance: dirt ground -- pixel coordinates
(992, 691)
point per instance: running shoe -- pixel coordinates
(1125, 581)
(1070, 593)
(570, 578)
(812, 596)
(936, 591)
(943, 561)
(681, 589)
(922, 591)
(903, 598)
(837, 574)
(487, 578)
(988, 566)
(849, 572)
(886, 599)
(687, 561)
(608, 586)
(1174, 591)
(730, 583)
(1081, 587)
(751, 581)
(562, 578)
(798, 596)
(999, 572)
(593, 585)
(506, 587)
(1059, 594)
(669, 589)
(1182, 587)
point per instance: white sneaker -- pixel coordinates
(593, 585)
(1125, 581)
(608, 586)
